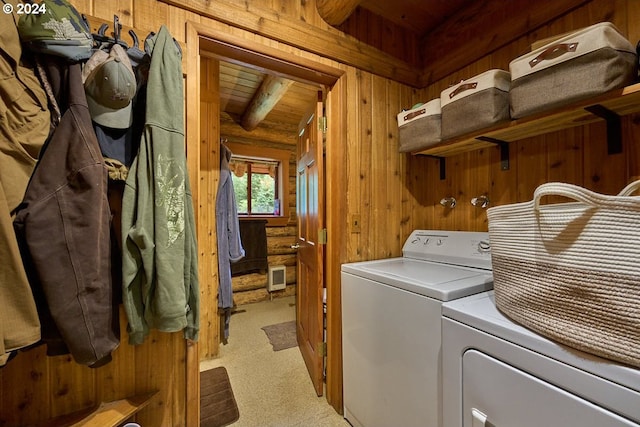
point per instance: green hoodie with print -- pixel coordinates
(159, 260)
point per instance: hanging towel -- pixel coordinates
(253, 235)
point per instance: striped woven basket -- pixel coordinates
(571, 271)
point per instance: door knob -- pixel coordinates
(296, 246)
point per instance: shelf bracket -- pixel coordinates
(614, 127)
(443, 166)
(504, 150)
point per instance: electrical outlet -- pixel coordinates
(355, 223)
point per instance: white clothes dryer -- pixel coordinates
(391, 325)
(498, 373)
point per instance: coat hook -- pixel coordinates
(102, 31)
(117, 27)
(448, 202)
(134, 37)
(481, 201)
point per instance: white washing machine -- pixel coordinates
(391, 325)
(498, 373)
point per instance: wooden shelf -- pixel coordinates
(107, 414)
(619, 102)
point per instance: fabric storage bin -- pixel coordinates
(580, 65)
(419, 127)
(475, 103)
(570, 271)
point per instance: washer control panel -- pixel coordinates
(466, 248)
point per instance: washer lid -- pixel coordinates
(432, 279)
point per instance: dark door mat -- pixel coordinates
(217, 404)
(282, 335)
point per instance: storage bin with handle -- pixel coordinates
(475, 103)
(582, 64)
(419, 127)
(571, 271)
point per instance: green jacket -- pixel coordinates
(159, 260)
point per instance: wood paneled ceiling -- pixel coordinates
(240, 85)
(438, 24)
(417, 16)
(239, 92)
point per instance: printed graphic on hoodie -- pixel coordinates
(171, 195)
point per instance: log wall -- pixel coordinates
(252, 287)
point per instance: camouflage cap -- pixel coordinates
(59, 31)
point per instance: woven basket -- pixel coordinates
(571, 271)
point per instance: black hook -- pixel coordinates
(117, 28)
(146, 48)
(102, 29)
(134, 37)
(102, 37)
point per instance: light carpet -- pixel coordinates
(272, 388)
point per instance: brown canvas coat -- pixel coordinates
(24, 127)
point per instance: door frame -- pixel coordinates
(229, 47)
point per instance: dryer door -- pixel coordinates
(496, 394)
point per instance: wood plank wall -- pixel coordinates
(576, 156)
(34, 387)
(209, 170)
(383, 34)
(390, 194)
(377, 195)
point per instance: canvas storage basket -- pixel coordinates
(475, 103)
(583, 64)
(571, 271)
(419, 127)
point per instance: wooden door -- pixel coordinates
(310, 262)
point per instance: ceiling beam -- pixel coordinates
(283, 133)
(271, 90)
(335, 12)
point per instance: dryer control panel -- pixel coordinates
(466, 248)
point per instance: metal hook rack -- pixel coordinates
(117, 28)
(102, 37)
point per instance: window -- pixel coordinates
(255, 183)
(260, 182)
